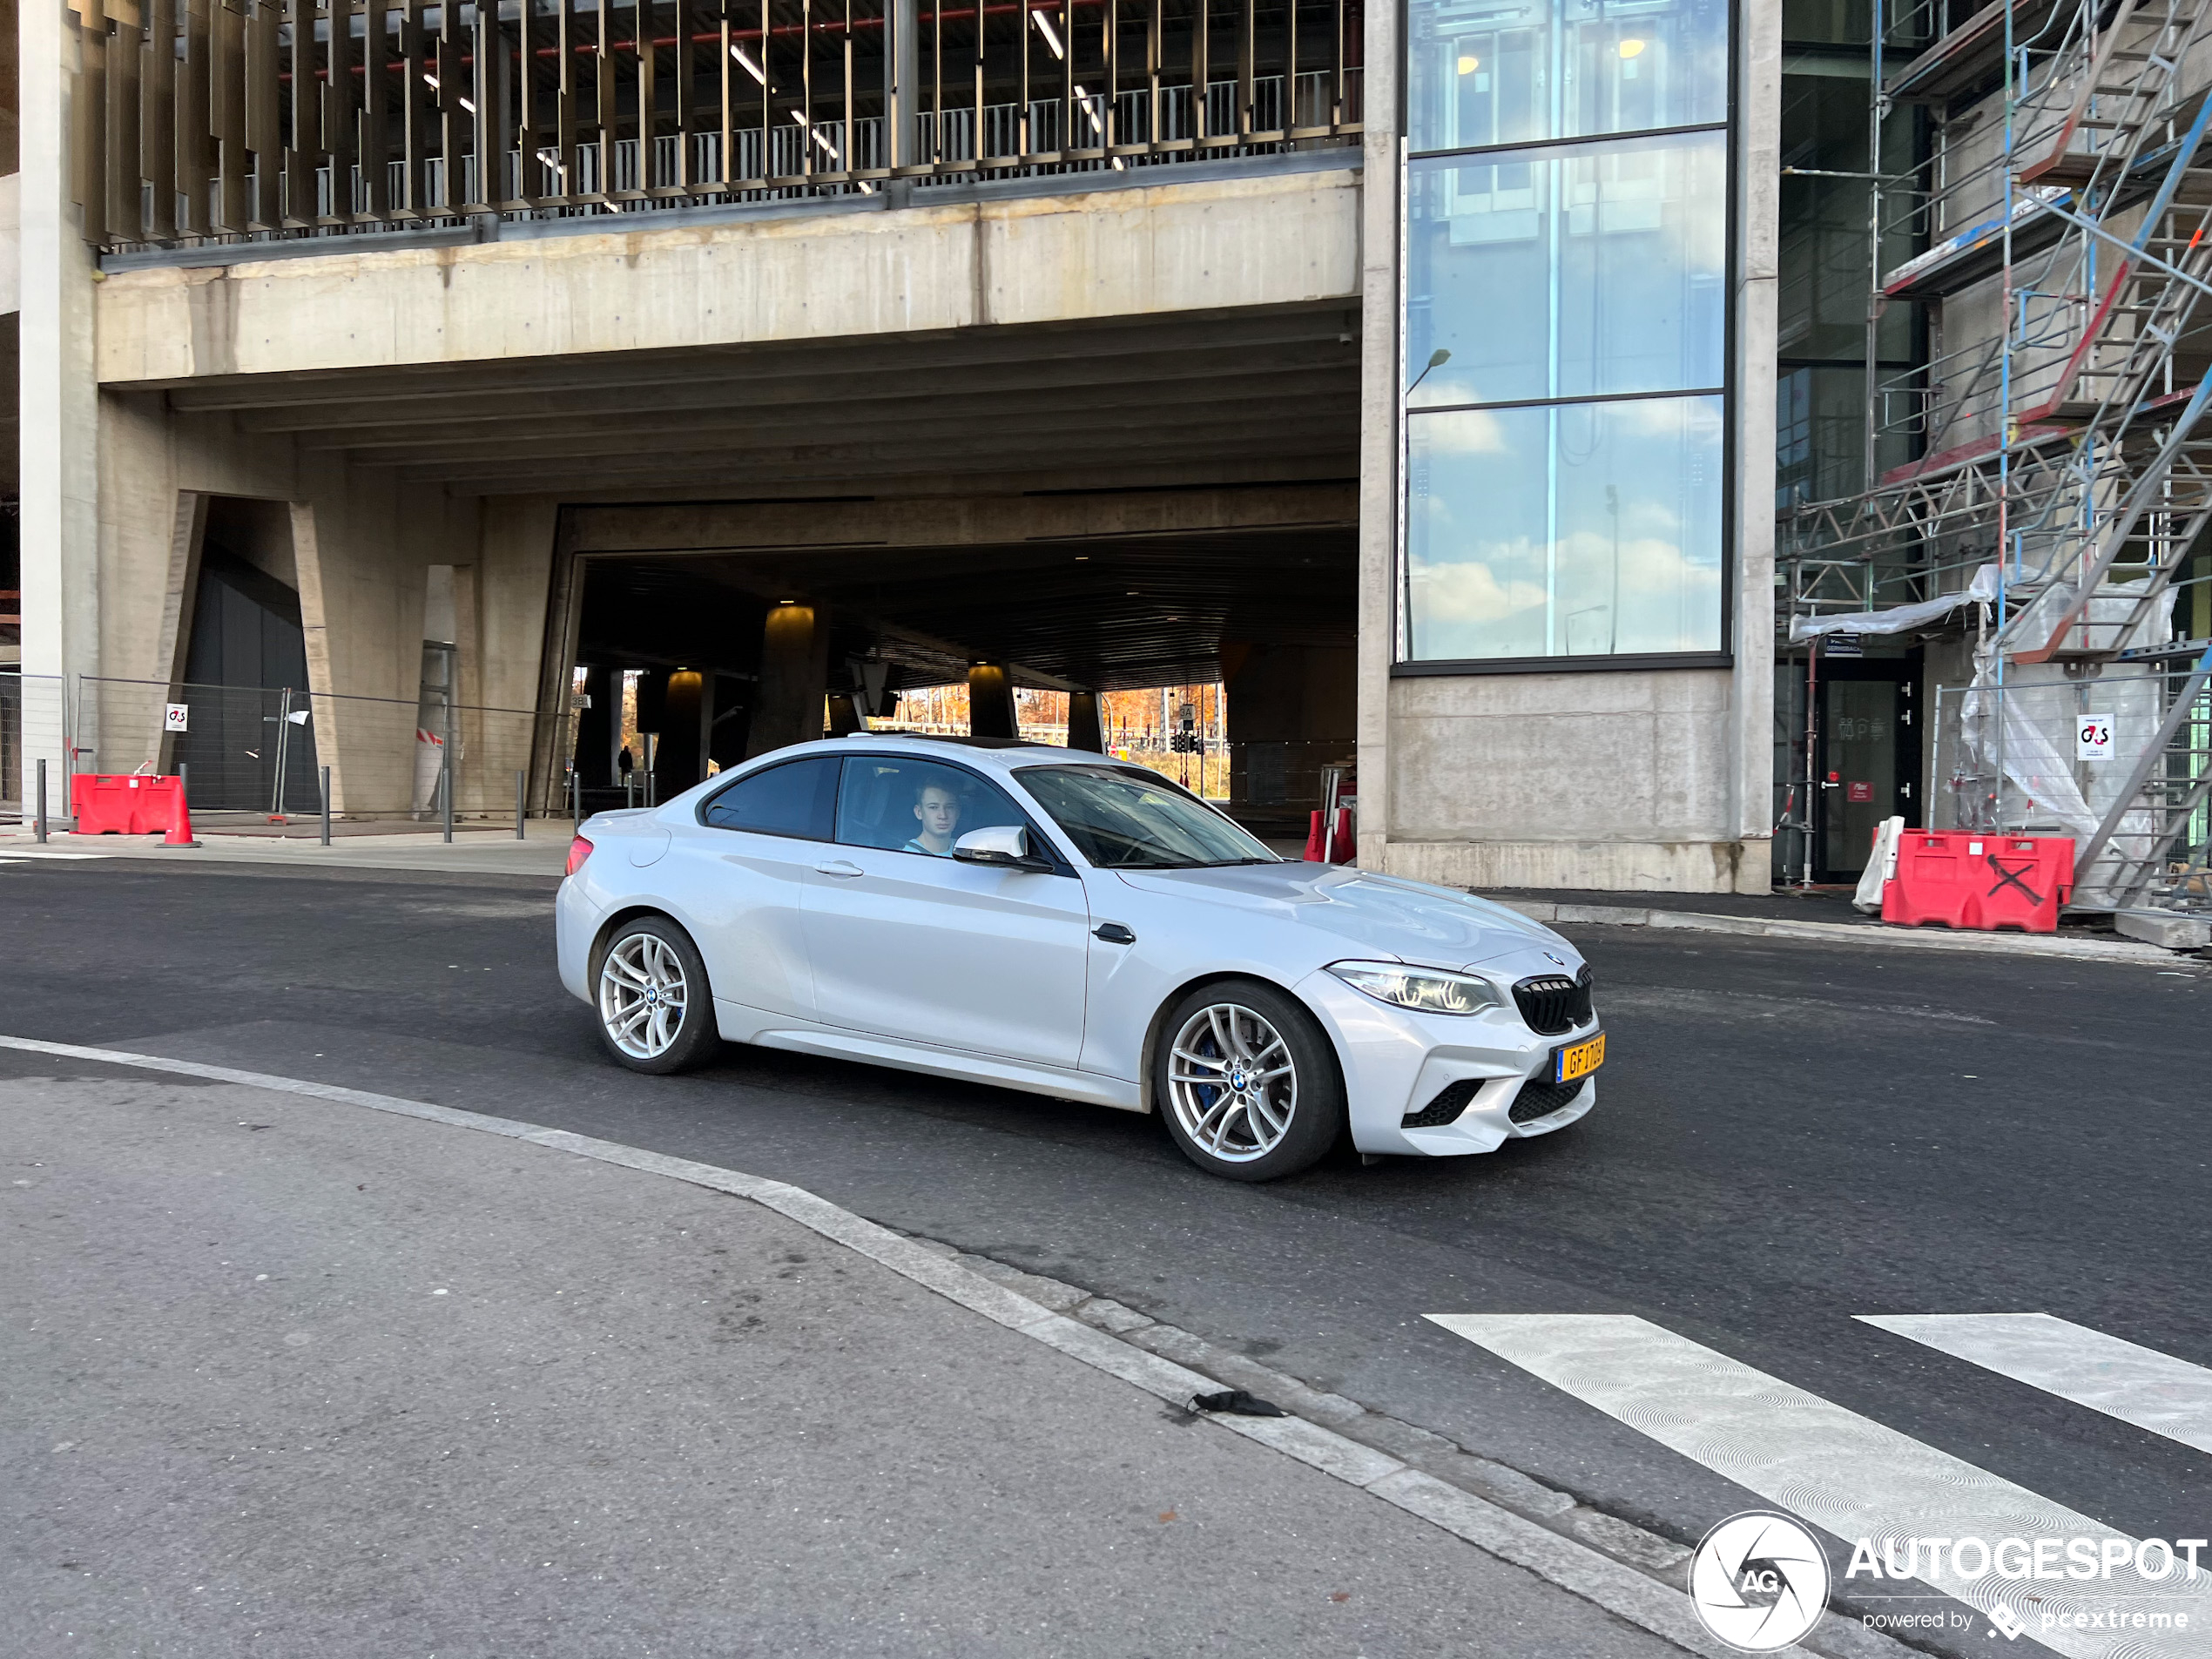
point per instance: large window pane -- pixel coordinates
(1481, 73)
(1585, 530)
(1571, 273)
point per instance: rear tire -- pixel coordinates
(1247, 1082)
(651, 999)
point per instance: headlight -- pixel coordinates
(1423, 989)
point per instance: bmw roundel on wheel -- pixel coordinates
(1046, 919)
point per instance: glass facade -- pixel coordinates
(1567, 250)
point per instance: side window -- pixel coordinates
(795, 798)
(907, 805)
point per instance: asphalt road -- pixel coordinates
(1788, 1135)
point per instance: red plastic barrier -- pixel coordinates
(1983, 883)
(1337, 848)
(1340, 847)
(129, 805)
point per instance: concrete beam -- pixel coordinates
(1286, 393)
(798, 383)
(938, 353)
(759, 437)
(873, 466)
(1157, 249)
(1000, 519)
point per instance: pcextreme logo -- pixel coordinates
(1759, 1582)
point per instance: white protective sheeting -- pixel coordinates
(1900, 619)
(1881, 867)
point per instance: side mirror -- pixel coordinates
(1004, 845)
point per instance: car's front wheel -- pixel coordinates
(656, 1013)
(1247, 1082)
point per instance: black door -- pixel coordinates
(1868, 759)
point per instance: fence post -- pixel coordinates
(445, 770)
(326, 805)
(41, 831)
(184, 783)
(521, 791)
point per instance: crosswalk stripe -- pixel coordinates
(2140, 1386)
(1843, 1472)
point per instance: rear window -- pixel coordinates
(798, 799)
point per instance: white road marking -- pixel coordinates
(2140, 1386)
(24, 856)
(1846, 1472)
(1637, 1597)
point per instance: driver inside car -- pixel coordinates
(939, 810)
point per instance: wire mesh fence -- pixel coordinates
(251, 752)
(34, 725)
(2119, 761)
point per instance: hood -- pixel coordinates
(1375, 915)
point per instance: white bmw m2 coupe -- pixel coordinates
(1046, 920)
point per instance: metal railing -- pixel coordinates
(213, 119)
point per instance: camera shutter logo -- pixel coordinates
(1759, 1582)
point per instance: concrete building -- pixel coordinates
(416, 373)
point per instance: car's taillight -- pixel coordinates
(579, 850)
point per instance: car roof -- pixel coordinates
(997, 754)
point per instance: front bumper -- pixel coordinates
(1396, 1061)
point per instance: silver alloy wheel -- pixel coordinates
(642, 996)
(1231, 1082)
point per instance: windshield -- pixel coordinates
(1124, 818)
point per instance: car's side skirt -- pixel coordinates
(741, 1024)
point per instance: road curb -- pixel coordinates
(2047, 945)
(1641, 1598)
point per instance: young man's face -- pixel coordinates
(938, 811)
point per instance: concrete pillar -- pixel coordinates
(1083, 730)
(680, 761)
(57, 400)
(794, 678)
(595, 727)
(1758, 218)
(990, 702)
(1380, 412)
(844, 718)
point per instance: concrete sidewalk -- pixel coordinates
(291, 1377)
(474, 851)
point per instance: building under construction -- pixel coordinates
(1994, 605)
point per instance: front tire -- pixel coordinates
(1247, 1082)
(650, 993)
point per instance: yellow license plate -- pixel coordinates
(1580, 1060)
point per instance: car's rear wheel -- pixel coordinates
(656, 1013)
(1247, 1082)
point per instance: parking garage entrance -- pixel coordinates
(1073, 617)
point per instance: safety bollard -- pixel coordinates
(184, 783)
(521, 787)
(41, 831)
(325, 806)
(445, 800)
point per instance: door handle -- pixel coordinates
(840, 868)
(1114, 934)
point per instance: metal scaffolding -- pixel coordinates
(2061, 235)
